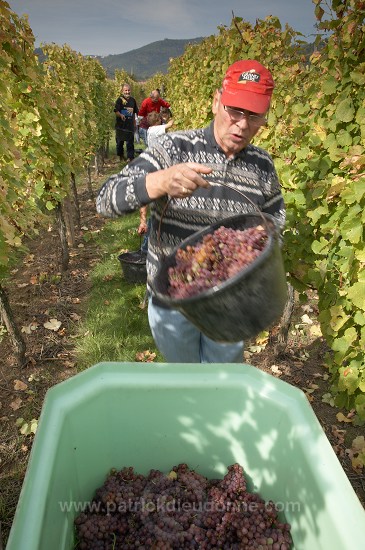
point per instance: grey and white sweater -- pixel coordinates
(251, 172)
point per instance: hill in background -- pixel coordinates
(153, 58)
(145, 62)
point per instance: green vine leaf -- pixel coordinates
(360, 406)
(358, 76)
(345, 110)
(320, 247)
(352, 230)
(343, 343)
(338, 318)
(349, 379)
(356, 293)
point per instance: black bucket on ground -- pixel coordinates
(134, 266)
(242, 306)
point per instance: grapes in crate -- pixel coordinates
(178, 510)
(219, 256)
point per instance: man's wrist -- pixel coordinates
(154, 184)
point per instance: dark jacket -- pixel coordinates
(125, 127)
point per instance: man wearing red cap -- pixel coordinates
(187, 171)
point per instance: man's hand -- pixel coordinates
(142, 228)
(180, 180)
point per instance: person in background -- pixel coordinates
(142, 128)
(152, 103)
(125, 111)
(166, 114)
(182, 178)
(136, 129)
(156, 128)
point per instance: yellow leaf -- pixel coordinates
(357, 463)
(358, 443)
(342, 418)
(315, 330)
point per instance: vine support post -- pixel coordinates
(67, 212)
(279, 338)
(65, 255)
(89, 181)
(7, 317)
(76, 200)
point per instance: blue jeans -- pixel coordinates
(144, 246)
(143, 134)
(180, 341)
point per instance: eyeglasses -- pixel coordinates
(238, 114)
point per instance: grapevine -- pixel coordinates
(316, 135)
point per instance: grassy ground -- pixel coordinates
(116, 324)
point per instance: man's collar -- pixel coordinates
(209, 134)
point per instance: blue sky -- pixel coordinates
(105, 27)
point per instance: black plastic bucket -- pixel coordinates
(134, 266)
(242, 306)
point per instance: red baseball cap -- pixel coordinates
(248, 85)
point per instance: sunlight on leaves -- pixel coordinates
(27, 428)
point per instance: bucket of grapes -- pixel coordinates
(227, 279)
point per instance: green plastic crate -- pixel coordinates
(209, 416)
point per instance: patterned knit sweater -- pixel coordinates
(251, 172)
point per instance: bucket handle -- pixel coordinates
(250, 201)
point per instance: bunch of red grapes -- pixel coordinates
(219, 256)
(182, 509)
